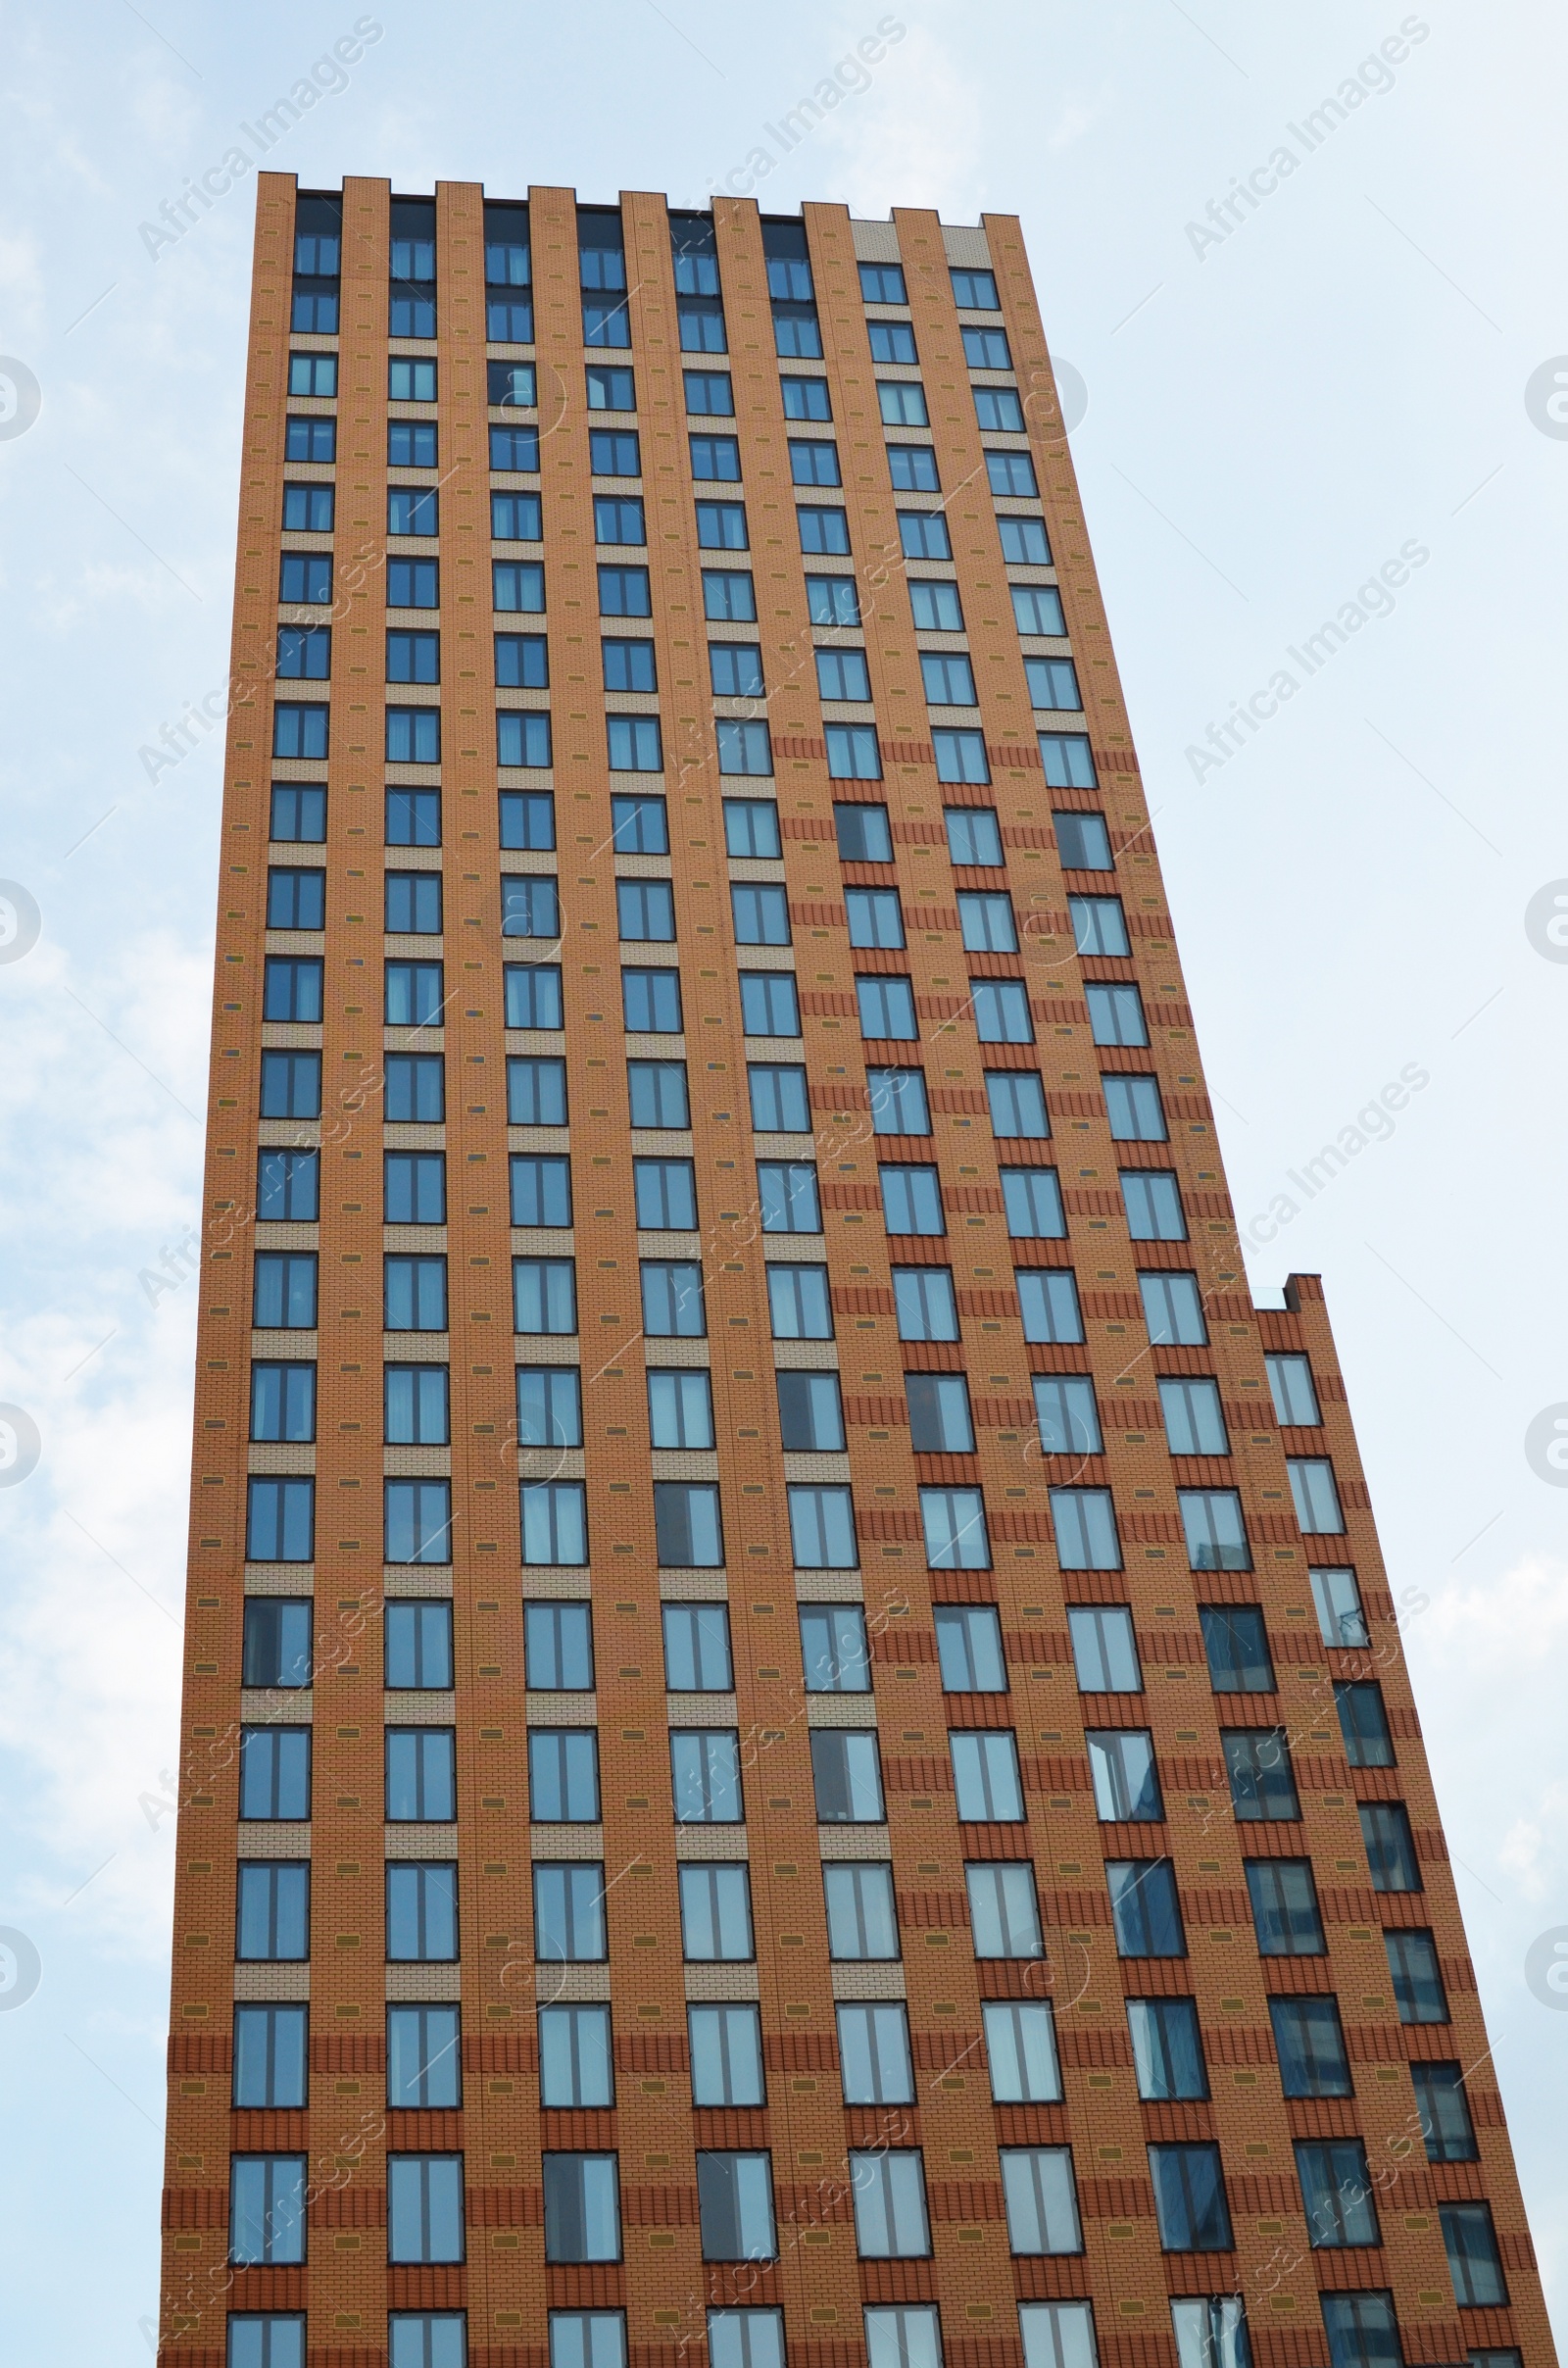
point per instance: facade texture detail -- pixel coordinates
(795, 1736)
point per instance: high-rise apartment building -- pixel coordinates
(795, 1736)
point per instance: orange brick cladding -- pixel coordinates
(346, 2284)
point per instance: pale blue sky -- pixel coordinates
(1271, 417)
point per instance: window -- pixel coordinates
(273, 1911)
(549, 1407)
(861, 1923)
(822, 1529)
(924, 535)
(416, 509)
(1082, 840)
(1004, 1912)
(788, 1196)
(799, 1304)
(825, 531)
(415, 1087)
(1173, 1309)
(568, 1913)
(629, 665)
(672, 1300)
(702, 328)
(780, 1104)
(310, 439)
(924, 1302)
(413, 735)
(1067, 1417)
(832, 600)
(1190, 2199)
(710, 394)
(874, 2062)
(555, 1522)
(1235, 1644)
(417, 1412)
(1211, 2332)
(1153, 1205)
(853, 752)
(726, 2055)
(582, 2205)
(282, 1401)
(1258, 1765)
(948, 680)
(666, 1193)
(651, 1002)
(842, 675)
(617, 517)
(1134, 1108)
(1039, 2199)
(519, 585)
(267, 2212)
(886, 1009)
(1337, 1600)
(1104, 1648)
(1052, 681)
(1017, 1104)
(912, 468)
(986, 922)
(743, 746)
(987, 1783)
(645, 909)
(421, 1912)
(623, 592)
(614, 452)
(544, 1295)
(874, 916)
(814, 460)
(1363, 1723)
(912, 1199)
(1085, 1524)
(510, 448)
(414, 996)
(716, 1915)
(953, 1521)
(298, 731)
(1290, 1381)
(1474, 2263)
(680, 1409)
(278, 1642)
(536, 1092)
(416, 1646)
(270, 2046)
(564, 1776)
(307, 509)
(882, 283)
(1193, 1422)
(1167, 2048)
(940, 1421)
(810, 1416)
(412, 818)
(728, 597)
(305, 578)
(558, 1639)
(1099, 925)
(1315, 1496)
(834, 1652)
(890, 2211)
(1047, 1303)
(846, 1777)
(274, 1774)
(1336, 2193)
(1115, 1014)
(1024, 544)
(806, 398)
(418, 1521)
(312, 374)
(634, 746)
(705, 1777)
(770, 1006)
(1284, 1913)
(1013, 474)
(279, 1520)
(697, 1653)
(412, 903)
(576, 2068)
(1121, 1764)
(286, 1186)
(414, 1295)
(1144, 1909)
(735, 2207)
(722, 526)
(303, 652)
(745, 2339)
(760, 914)
(1001, 1010)
(735, 670)
(657, 1094)
(1416, 1976)
(421, 1776)
(891, 341)
(1032, 1199)
(687, 1528)
(898, 1100)
(1361, 2329)
(901, 404)
(1445, 2123)
(541, 1190)
(1390, 1846)
(1310, 2047)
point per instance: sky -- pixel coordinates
(1323, 374)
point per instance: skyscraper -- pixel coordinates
(856, 1788)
